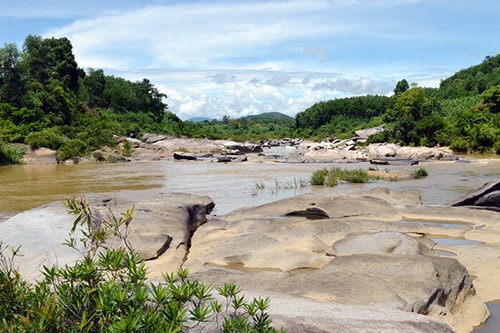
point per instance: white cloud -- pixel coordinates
(216, 58)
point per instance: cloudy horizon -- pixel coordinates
(237, 58)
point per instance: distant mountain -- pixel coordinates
(269, 115)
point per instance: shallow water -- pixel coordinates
(492, 325)
(231, 185)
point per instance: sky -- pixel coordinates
(237, 58)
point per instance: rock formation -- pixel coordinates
(486, 197)
(366, 261)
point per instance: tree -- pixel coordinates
(401, 87)
(492, 99)
(405, 112)
(12, 84)
(51, 58)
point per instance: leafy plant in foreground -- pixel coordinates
(108, 290)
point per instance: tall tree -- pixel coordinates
(12, 84)
(51, 58)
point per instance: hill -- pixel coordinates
(473, 80)
(269, 115)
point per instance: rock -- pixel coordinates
(152, 138)
(286, 247)
(382, 150)
(40, 156)
(243, 148)
(184, 156)
(491, 199)
(161, 228)
(299, 314)
(382, 242)
(475, 196)
(365, 133)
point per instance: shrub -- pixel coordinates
(10, 154)
(46, 138)
(71, 149)
(460, 145)
(421, 173)
(108, 291)
(318, 177)
(331, 177)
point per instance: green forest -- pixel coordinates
(46, 100)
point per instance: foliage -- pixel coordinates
(330, 113)
(108, 291)
(71, 149)
(10, 154)
(332, 177)
(421, 172)
(48, 138)
(42, 89)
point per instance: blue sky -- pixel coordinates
(235, 58)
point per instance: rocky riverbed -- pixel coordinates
(366, 261)
(159, 147)
(369, 261)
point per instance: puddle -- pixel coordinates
(443, 253)
(433, 223)
(492, 325)
(449, 241)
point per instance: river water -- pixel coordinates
(231, 186)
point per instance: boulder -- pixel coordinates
(365, 133)
(344, 249)
(152, 138)
(162, 227)
(242, 147)
(184, 156)
(40, 156)
(491, 199)
(487, 195)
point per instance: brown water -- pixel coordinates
(231, 186)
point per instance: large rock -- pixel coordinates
(365, 133)
(487, 195)
(345, 249)
(367, 254)
(162, 227)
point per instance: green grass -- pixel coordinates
(333, 176)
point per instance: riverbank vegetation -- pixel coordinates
(108, 291)
(332, 177)
(46, 100)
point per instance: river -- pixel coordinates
(231, 185)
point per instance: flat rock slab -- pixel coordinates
(350, 249)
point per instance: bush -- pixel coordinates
(71, 149)
(421, 173)
(318, 177)
(332, 177)
(10, 154)
(47, 138)
(108, 291)
(460, 145)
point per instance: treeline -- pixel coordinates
(463, 113)
(46, 100)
